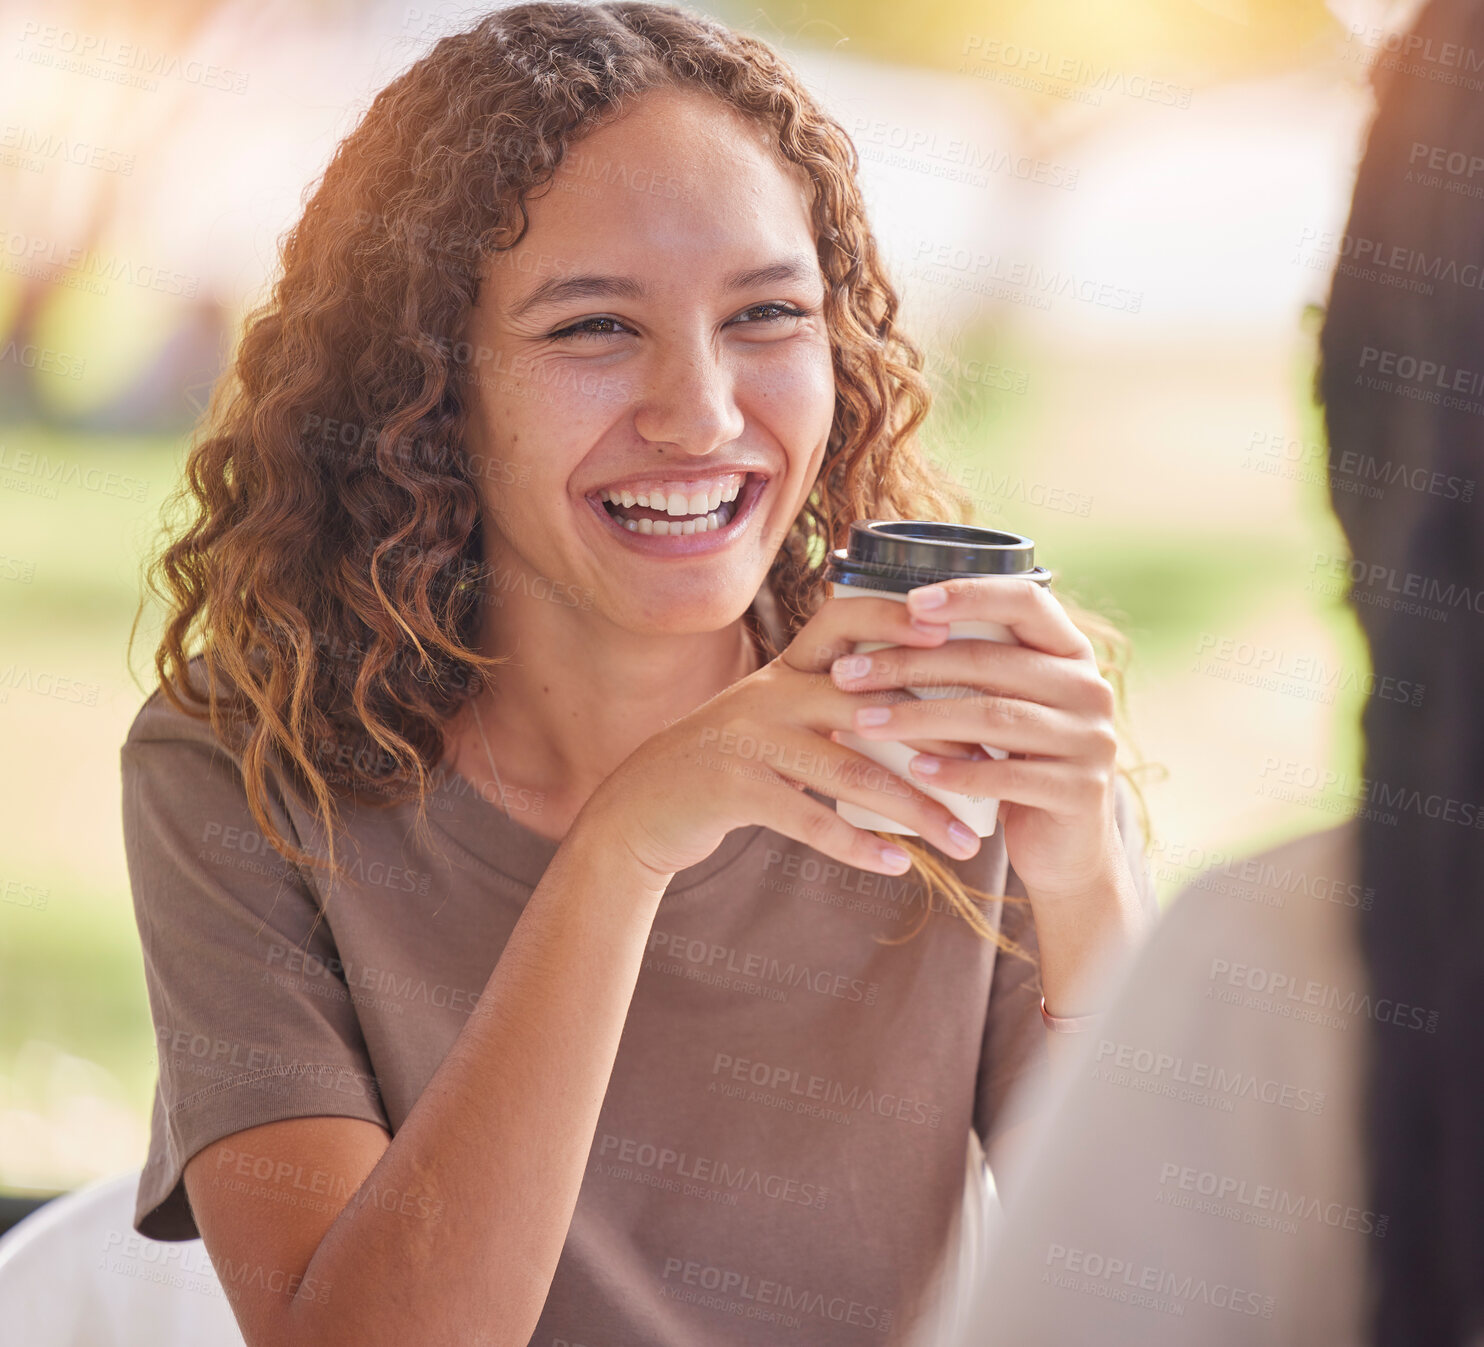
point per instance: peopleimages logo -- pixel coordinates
(750, 1291)
(732, 1077)
(1280, 670)
(1134, 1063)
(952, 157)
(1416, 369)
(1373, 575)
(1064, 76)
(121, 62)
(1393, 262)
(1348, 470)
(701, 1175)
(716, 960)
(1254, 878)
(1288, 994)
(962, 268)
(1267, 1198)
(1147, 1285)
(1280, 773)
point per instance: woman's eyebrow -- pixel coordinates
(559, 289)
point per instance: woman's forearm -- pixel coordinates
(1083, 941)
(502, 1132)
(1082, 944)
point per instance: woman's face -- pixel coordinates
(645, 338)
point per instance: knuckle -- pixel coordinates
(887, 663)
(1013, 771)
(1102, 696)
(982, 657)
(1095, 784)
(738, 723)
(817, 825)
(817, 680)
(1001, 710)
(1106, 740)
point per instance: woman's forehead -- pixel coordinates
(646, 218)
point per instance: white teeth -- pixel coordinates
(674, 502)
(666, 528)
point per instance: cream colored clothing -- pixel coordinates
(1201, 1178)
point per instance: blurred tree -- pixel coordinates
(67, 230)
(1194, 42)
(1060, 70)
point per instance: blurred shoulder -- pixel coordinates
(1290, 905)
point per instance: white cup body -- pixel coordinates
(977, 812)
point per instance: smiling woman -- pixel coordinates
(499, 927)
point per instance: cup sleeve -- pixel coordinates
(221, 916)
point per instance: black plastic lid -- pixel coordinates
(901, 554)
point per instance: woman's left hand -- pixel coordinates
(1043, 700)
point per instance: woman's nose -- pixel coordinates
(688, 399)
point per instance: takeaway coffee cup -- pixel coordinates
(886, 558)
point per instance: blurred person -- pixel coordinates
(1276, 1134)
(502, 993)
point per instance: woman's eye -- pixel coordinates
(779, 311)
(586, 329)
(770, 312)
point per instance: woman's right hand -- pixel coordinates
(745, 756)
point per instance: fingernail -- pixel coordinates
(923, 764)
(873, 715)
(851, 666)
(931, 628)
(968, 841)
(896, 858)
(929, 597)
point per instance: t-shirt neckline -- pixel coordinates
(502, 842)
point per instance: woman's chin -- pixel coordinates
(677, 614)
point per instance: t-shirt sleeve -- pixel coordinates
(218, 912)
(1014, 1059)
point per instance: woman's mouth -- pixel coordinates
(658, 531)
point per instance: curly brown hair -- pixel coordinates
(332, 566)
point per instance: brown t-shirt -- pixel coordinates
(782, 1143)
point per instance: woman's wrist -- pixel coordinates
(599, 835)
(1083, 941)
(1067, 1024)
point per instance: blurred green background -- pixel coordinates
(1195, 198)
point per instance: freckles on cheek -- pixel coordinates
(555, 417)
(548, 403)
(797, 399)
(592, 396)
